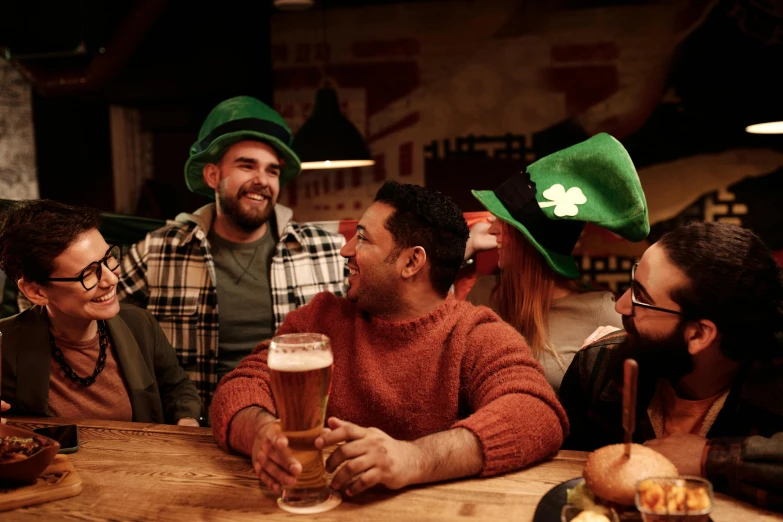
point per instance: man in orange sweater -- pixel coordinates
(425, 387)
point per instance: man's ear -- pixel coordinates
(211, 174)
(33, 292)
(413, 260)
(700, 335)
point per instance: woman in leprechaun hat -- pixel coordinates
(541, 213)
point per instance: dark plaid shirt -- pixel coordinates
(171, 273)
(744, 456)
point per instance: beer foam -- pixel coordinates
(300, 361)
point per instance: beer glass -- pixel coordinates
(300, 368)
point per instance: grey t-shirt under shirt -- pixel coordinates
(244, 296)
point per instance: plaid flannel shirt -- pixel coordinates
(171, 273)
(744, 452)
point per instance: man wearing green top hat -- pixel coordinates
(225, 277)
(539, 216)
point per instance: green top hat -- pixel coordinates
(550, 203)
(234, 120)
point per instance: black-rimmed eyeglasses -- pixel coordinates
(91, 275)
(636, 302)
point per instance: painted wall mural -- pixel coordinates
(461, 95)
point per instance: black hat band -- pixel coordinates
(518, 195)
(244, 124)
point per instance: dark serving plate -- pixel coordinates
(27, 470)
(551, 504)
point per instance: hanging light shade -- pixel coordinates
(328, 140)
(293, 5)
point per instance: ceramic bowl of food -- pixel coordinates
(24, 455)
(674, 499)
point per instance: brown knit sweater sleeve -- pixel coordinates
(516, 415)
(248, 384)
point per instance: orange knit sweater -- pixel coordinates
(459, 366)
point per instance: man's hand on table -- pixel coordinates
(4, 406)
(270, 458)
(188, 421)
(685, 451)
(370, 457)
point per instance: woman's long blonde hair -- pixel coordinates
(523, 295)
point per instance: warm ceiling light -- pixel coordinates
(337, 164)
(328, 140)
(772, 127)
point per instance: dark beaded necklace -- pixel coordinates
(99, 365)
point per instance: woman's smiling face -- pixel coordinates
(68, 299)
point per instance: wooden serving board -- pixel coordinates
(59, 480)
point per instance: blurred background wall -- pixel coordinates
(18, 178)
(100, 102)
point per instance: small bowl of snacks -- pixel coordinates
(674, 499)
(24, 455)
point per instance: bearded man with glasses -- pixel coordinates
(79, 353)
(703, 319)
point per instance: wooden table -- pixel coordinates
(135, 471)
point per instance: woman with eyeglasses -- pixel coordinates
(78, 353)
(539, 216)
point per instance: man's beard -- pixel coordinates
(663, 357)
(247, 220)
(378, 293)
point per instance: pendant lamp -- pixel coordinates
(328, 140)
(293, 5)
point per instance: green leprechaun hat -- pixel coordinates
(551, 202)
(234, 120)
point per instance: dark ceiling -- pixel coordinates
(179, 52)
(143, 51)
(160, 50)
(175, 59)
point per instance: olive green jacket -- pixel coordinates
(159, 389)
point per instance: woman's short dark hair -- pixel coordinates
(34, 232)
(734, 282)
(427, 218)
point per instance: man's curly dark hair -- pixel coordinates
(734, 281)
(427, 218)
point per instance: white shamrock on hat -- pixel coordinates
(565, 203)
